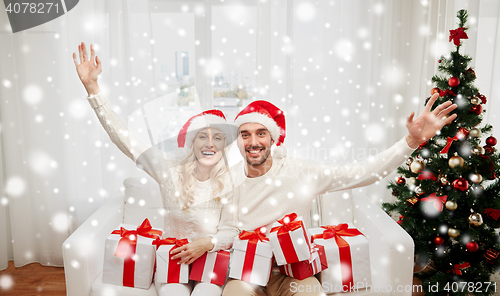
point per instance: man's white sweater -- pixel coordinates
(291, 184)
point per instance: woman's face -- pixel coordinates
(208, 146)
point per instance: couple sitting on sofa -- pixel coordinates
(209, 203)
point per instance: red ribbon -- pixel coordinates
(457, 269)
(443, 93)
(217, 275)
(288, 224)
(425, 175)
(482, 97)
(174, 269)
(458, 34)
(462, 133)
(337, 232)
(127, 248)
(304, 269)
(253, 239)
(422, 145)
(438, 200)
(492, 213)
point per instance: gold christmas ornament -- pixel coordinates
(475, 101)
(452, 232)
(417, 166)
(456, 161)
(475, 132)
(412, 201)
(451, 205)
(444, 180)
(476, 219)
(476, 178)
(478, 150)
(412, 181)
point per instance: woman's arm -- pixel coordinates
(88, 71)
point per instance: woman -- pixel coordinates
(194, 183)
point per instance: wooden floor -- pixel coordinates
(32, 280)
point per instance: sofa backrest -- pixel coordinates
(143, 200)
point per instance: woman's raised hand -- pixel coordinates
(87, 69)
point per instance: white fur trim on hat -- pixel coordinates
(256, 117)
(204, 121)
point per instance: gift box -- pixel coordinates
(290, 240)
(252, 258)
(129, 257)
(304, 269)
(347, 254)
(168, 270)
(210, 268)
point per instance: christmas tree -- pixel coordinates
(448, 193)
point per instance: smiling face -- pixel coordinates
(254, 143)
(208, 146)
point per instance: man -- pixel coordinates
(271, 187)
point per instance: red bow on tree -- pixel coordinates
(457, 268)
(458, 34)
(492, 213)
(482, 97)
(443, 93)
(437, 200)
(461, 134)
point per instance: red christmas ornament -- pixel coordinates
(492, 141)
(400, 221)
(476, 109)
(453, 81)
(438, 240)
(435, 91)
(439, 61)
(472, 247)
(482, 97)
(460, 184)
(401, 181)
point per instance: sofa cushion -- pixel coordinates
(101, 289)
(143, 200)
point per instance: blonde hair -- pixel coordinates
(187, 177)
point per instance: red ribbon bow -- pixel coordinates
(337, 231)
(438, 200)
(288, 223)
(461, 133)
(425, 175)
(482, 97)
(422, 145)
(443, 93)
(457, 269)
(127, 247)
(256, 235)
(492, 213)
(170, 241)
(458, 34)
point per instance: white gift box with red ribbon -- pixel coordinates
(167, 270)
(347, 253)
(211, 268)
(290, 240)
(129, 257)
(252, 258)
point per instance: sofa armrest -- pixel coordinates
(391, 247)
(83, 250)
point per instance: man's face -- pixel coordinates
(254, 142)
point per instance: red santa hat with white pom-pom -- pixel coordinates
(209, 118)
(269, 116)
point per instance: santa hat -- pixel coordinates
(266, 114)
(209, 118)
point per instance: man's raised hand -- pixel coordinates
(429, 122)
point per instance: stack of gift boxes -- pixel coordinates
(134, 255)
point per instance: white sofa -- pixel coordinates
(391, 248)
